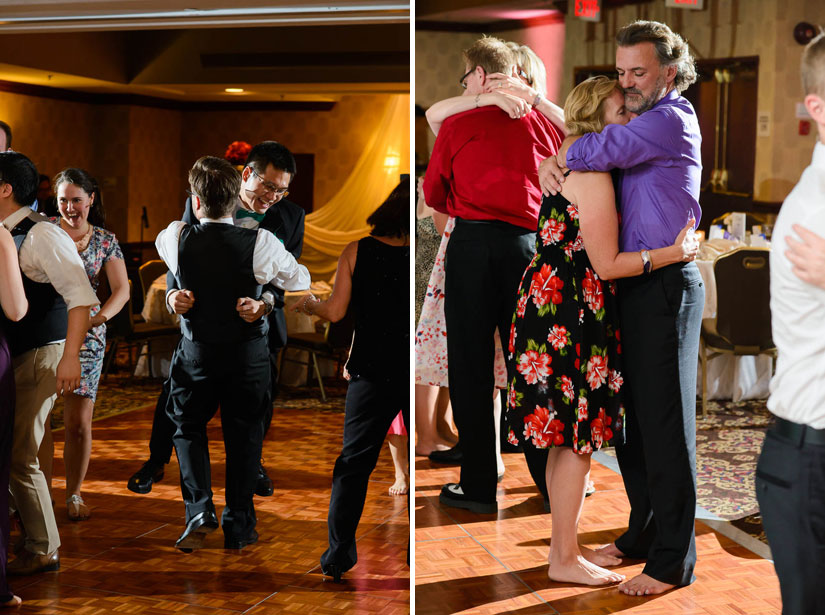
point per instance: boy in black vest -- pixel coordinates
(222, 360)
(44, 347)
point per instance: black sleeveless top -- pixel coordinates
(380, 305)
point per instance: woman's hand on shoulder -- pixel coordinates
(510, 85)
(513, 106)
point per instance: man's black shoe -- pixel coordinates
(452, 456)
(196, 530)
(263, 484)
(240, 543)
(452, 495)
(142, 480)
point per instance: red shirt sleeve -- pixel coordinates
(440, 170)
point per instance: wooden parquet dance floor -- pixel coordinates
(468, 563)
(123, 559)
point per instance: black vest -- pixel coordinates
(47, 319)
(215, 263)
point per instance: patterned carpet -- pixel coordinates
(728, 444)
(121, 392)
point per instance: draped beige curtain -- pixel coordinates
(344, 217)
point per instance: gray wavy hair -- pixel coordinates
(670, 48)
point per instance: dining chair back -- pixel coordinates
(122, 330)
(743, 311)
(149, 272)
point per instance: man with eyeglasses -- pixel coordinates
(265, 179)
(483, 172)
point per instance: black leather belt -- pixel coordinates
(799, 434)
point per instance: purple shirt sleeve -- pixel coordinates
(659, 153)
(646, 139)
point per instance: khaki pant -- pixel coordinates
(35, 381)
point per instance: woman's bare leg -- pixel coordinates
(398, 451)
(427, 438)
(78, 441)
(566, 487)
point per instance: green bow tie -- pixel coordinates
(243, 213)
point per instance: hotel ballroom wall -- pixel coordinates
(141, 154)
(724, 29)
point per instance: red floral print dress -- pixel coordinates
(564, 355)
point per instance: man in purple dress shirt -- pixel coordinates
(660, 160)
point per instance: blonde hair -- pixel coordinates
(490, 53)
(584, 107)
(813, 66)
(531, 66)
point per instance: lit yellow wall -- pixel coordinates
(141, 155)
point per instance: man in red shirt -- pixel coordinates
(483, 171)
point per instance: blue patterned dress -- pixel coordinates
(103, 247)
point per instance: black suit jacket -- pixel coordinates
(286, 220)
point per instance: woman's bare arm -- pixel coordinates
(12, 296)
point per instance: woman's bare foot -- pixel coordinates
(11, 602)
(582, 572)
(596, 557)
(600, 558)
(643, 585)
(401, 485)
(610, 550)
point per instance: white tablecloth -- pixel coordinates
(730, 377)
(295, 374)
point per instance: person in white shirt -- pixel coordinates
(790, 474)
(45, 348)
(222, 360)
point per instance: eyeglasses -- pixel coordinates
(523, 74)
(269, 187)
(463, 81)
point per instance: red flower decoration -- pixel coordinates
(543, 428)
(593, 294)
(534, 366)
(552, 231)
(596, 371)
(545, 286)
(237, 152)
(558, 337)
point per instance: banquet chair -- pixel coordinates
(743, 313)
(332, 342)
(123, 330)
(149, 272)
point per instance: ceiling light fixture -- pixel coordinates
(234, 90)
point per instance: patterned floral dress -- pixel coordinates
(431, 333)
(564, 351)
(103, 247)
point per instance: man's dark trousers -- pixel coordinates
(234, 376)
(160, 442)
(661, 316)
(484, 264)
(790, 488)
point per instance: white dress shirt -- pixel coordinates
(271, 263)
(798, 308)
(48, 255)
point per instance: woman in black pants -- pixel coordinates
(373, 282)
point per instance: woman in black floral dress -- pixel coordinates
(565, 369)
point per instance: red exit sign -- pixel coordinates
(589, 10)
(686, 4)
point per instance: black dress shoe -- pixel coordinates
(452, 456)
(196, 530)
(142, 480)
(263, 484)
(240, 543)
(451, 495)
(334, 571)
